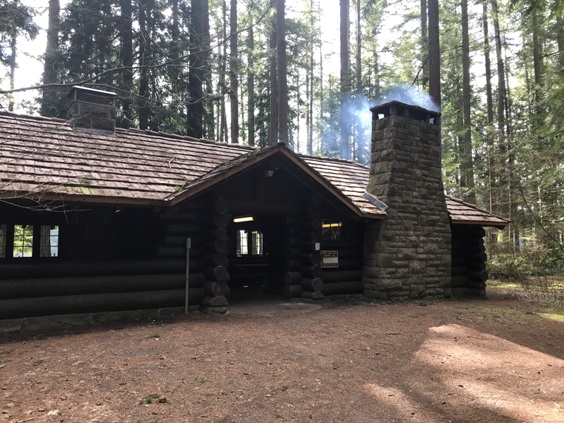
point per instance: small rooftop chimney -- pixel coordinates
(91, 110)
(408, 254)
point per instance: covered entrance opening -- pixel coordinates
(256, 255)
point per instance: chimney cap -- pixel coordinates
(381, 108)
(101, 93)
(408, 111)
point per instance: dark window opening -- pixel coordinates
(3, 233)
(331, 230)
(250, 242)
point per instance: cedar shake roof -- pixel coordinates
(44, 158)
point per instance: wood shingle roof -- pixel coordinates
(45, 158)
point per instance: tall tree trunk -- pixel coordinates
(48, 107)
(489, 106)
(501, 204)
(144, 109)
(560, 41)
(222, 76)
(126, 57)
(358, 48)
(273, 121)
(234, 73)
(13, 53)
(196, 74)
(251, 85)
(345, 126)
(466, 161)
(209, 119)
(537, 57)
(434, 52)
(282, 68)
(424, 46)
(310, 82)
(502, 93)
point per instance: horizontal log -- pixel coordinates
(217, 273)
(316, 295)
(311, 258)
(220, 234)
(292, 291)
(184, 228)
(216, 289)
(346, 253)
(220, 206)
(181, 216)
(292, 264)
(313, 213)
(459, 270)
(315, 200)
(478, 276)
(21, 288)
(221, 221)
(340, 244)
(173, 252)
(459, 281)
(343, 288)
(61, 268)
(214, 301)
(312, 284)
(117, 301)
(292, 278)
(216, 259)
(175, 241)
(295, 253)
(476, 267)
(334, 275)
(313, 271)
(311, 236)
(219, 247)
(312, 225)
(350, 263)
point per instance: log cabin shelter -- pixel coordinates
(95, 218)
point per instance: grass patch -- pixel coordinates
(149, 399)
(153, 335)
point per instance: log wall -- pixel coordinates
(143, 267)
(469, 274)
(347, 278)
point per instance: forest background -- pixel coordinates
(261, 71)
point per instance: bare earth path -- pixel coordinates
(496, 360)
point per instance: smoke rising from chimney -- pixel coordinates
(356, 110)
(408, 94)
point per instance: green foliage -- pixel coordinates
(15, 19)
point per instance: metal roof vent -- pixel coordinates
(92, 110)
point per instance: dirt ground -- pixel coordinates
(496, 360)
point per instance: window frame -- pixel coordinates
(11, 243)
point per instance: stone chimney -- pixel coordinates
(408, 254)
(91, 110)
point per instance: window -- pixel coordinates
(3, 232)
(49, 241)
(250, 243)
(331, 230)
(242, 243)
(23, 241)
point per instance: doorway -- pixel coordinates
(257, 253)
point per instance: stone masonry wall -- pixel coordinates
(407, 255)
